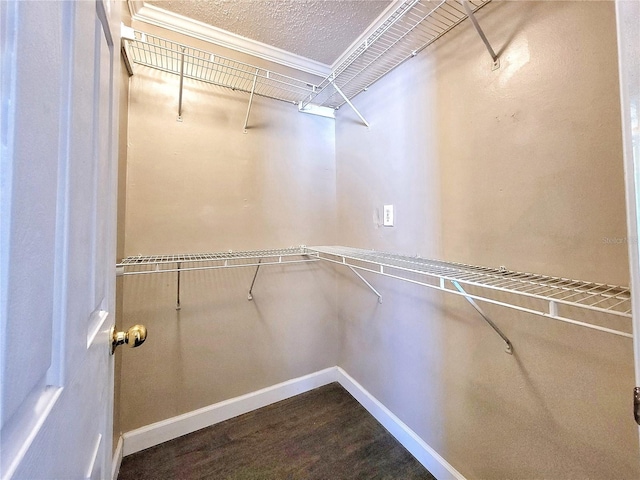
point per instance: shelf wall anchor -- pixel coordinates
(350, 104)
(255, 275)
(181, 83)
(483, 37)
(509, 348)
(253, 89)
(366, 283)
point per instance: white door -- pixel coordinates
(628, 19)
(57, 255)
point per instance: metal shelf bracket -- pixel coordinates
(509, 348)
(553, 293)
(609, 300)
(366, 283)
(179, 119)
(178, 265)
(350, 104)
(253, 90)
(255, 275)
(483, 37)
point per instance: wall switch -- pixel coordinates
(387, 216)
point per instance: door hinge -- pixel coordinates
(636, 404)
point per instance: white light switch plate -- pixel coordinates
(387, 216)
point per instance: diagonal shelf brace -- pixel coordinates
(253, 90)
(181, 83)
(367, 283)
(473, 303)
(255, 275)
(349, 103)
(178, 287)
(483, 37)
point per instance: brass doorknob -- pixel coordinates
(134, 337)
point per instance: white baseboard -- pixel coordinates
(166, 430)
(427, 456)
(117, 460)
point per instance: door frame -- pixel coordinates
(627, 21)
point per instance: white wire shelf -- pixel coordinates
(528, 292)
(148, 264)
(409, 29)
(196, 64)
(552, 297)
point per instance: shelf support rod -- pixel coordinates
(483, 37)
(473, 303)
(366, 283)
(350, 104)
(178, 288)
(181, 83)
(255, 275)
(253, 89)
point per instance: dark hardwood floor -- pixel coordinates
(322, 434)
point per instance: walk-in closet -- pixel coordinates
(432, 226)
(492, 170)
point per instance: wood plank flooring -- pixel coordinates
(322, 434)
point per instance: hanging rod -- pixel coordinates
(555, 293)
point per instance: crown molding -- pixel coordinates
(368, 31)
(143, 12)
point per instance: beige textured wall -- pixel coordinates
(201, 185)
(519, 167)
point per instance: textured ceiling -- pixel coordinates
(316, 29)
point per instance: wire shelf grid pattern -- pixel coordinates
(146, 264)
(408, 30)
(411, 28)
(167, 55)
(554, 291)
(603, 298)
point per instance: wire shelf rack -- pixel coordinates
(148, 264)
(409, 29)
(552, 297)
(528, 292)
(173, 57)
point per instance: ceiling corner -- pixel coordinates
(135, 6)
(153, 15)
